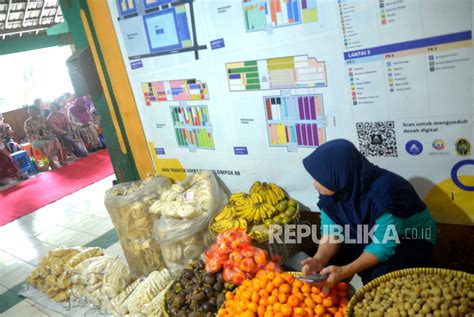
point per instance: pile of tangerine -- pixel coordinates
(272, 294)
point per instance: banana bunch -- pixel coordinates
(227, 224)
(227, 219)
(256, 213)
(244, 199)
(258, 207)
(227, 212)
(271, 193)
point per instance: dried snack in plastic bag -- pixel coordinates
(128, 206)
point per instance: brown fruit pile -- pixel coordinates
(419, 295)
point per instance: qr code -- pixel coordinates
(377, 138)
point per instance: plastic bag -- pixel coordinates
(99, 280)
(169, 228)
(240, 260)
(128, 205)
(145, 292)
(187, 238)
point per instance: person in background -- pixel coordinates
(96, 120)
(61, 101)
(41, 136)
(38, 102)
(42, 106)
(63, 130)
(46, 112)
(69, 100)
(79, 114)
(6, 135)
(8, 169)
(353, 192)
(89, 103)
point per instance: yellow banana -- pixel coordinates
(270, 207)
(240, 208)
(226, 212)
(221, 215)
(263, 213)
(263, 193)
(274, 189)
(246, 213)
(280, 194)
(256, 216)
(236, 196)
(223, 225)
(255, 186)
(242, 223)
(271, 197)
(256, 198)
(244, 200)
(268, 211)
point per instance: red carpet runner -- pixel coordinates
(29, 195)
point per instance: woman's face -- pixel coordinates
(322, 190)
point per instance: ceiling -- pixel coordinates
(28, 17)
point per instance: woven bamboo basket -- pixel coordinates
(392, 275)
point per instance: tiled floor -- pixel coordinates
(77, 219)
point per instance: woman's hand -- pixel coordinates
(336, 274)
(311, 266)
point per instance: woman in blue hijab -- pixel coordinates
(354, 193)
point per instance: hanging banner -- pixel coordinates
(249, 88)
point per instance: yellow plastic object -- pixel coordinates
(450, 204)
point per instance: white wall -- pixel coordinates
(34, 74)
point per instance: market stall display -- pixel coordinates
(417, 291)
(160, 223)
(196, 292)
(54, 272)
(281, 294)
(128, 205)
(185, 212)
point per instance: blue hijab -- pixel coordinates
(364, 191)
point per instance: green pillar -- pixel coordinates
(72, 15)
(124, 165)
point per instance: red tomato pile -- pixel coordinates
(234, 253)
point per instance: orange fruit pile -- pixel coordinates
(272, 294)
